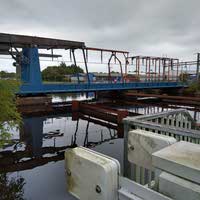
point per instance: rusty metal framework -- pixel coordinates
(114, 55)
(156, 68)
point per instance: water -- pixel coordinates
(38, 154)
(33, 167)
(73, 96)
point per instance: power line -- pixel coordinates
(66, 61)
(101, 63)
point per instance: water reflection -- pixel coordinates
(89, 144)
(36, 147)
(73, 96)
(44, 139)
(36, 154)
(37, 150)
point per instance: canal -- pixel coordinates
(32, 166)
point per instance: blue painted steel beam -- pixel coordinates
(30, 67)
(73, 88)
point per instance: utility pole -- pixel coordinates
(198, 64)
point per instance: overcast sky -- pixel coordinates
(143, 27)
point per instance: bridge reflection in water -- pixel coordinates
(37, 152)
(35, 148)
(44, 139)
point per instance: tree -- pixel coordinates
(59, 73)
(6, 75)
(11, 188)
(9, 117)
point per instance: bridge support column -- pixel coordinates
(30, 69)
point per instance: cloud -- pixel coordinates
(156, 27)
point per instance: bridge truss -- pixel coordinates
(24, 50)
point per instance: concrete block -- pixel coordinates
(141, 145)
(181, 159)
(178, 188)
(91, 175)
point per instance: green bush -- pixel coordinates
(9, 117)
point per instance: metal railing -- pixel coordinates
(56, 88)
(177, 123)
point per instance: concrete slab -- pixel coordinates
(178, 188)
(141, 145)
(181, 159)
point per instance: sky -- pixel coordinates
(143, 27)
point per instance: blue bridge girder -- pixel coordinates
(93, 87)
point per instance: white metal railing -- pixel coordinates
(131, 190)
(176, 123)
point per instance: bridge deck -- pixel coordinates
(76, 88)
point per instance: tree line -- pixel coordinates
(7, 75)
(59, 73)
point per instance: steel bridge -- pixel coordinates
(24, 50)
(93, 87)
